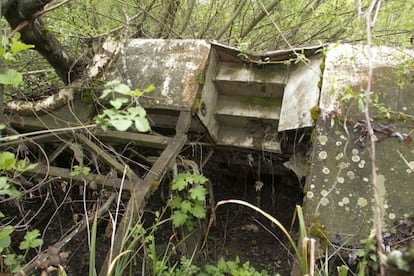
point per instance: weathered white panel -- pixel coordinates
(343, 65)
(301, 94)
(173, 66)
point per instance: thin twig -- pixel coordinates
(32, 265)
(378, 205)
(25, 23)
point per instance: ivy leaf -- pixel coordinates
(142, 124)
(121, 124)
(7, 160)
(179, 218)
(10, 77)
(198, 193)
(198, 211)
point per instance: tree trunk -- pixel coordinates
(44, 41)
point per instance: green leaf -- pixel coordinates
(121, 124)
(179, 218)
(361, 104)
(198, 211)
(31, 166)
(105, 93)
(7, 160)
(18, 46)
(186, 206)
(13, 262)
(22, 166)
(31, 240)
(10, 192)
(175, 202)
(199, 178)
(10, 77)
(198, 192)
(5, 239)
(150, 88)
(122, 89)
(4, 182)
(137, 111)
(142, 124)
(118, 102)
(135, 93)
(180, 182)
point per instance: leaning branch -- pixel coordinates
(378, 216)
(257, 19)
(100, 61)
(36, 15)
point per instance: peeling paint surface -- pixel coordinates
(173, 66)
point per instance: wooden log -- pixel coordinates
(138, 139)
(140, 193)
(91, 179)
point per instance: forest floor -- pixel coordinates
(237, 232)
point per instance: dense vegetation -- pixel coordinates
(66, 34)
(254, 25)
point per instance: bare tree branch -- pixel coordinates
(378, 206)
(188, 13)
(233, 17)
(169, 18)
(257, 19)
(45, 42)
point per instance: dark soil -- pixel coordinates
(256, 177)
(237, 232)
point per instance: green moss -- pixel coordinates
(200, 78)
(401, 117)
(315, 111)
(87, 96)
(154, 185)
(313, 135)
(197, 102)
(269, 102)
(320, 84)
(322, 66)
(257, 146)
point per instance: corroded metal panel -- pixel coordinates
(175, 67)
